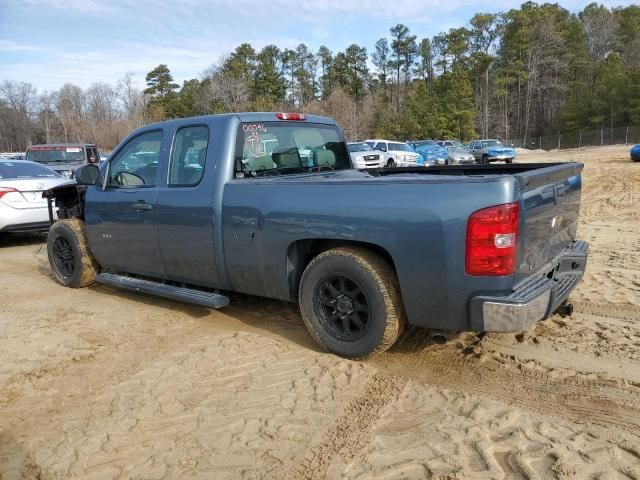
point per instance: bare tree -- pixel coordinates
(224, 91)
(19, 100)
(133, 101)
(47, 113)
(70, 107)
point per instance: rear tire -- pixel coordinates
(69, 256)
(509, 160)
(485, 160)
(350, 302)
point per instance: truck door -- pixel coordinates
(121, 214)
(186, 210)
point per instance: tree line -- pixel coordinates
(527, 72)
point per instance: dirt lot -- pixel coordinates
(99, 384)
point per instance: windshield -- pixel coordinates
(458, 151)
(423, 143)
(282, 148)
(402, 147)
(25, 170)
(491, 143)
(47, 154)
(359, 147)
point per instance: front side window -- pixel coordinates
(491, 143)
(188, 156)
(137, 163)
(284, 148)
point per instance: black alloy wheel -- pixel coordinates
(63, 256)
(342, 308)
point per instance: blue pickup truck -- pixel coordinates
(268, 204)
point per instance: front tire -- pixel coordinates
(69, 256)
(485, 160)
(350, 302)
(509, 160)
(391, 163)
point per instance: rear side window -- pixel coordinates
(284, 148)
(188, 156)
(92, 155)
(25, 170)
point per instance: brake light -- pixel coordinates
(492, 240)
(291, 116)
(5, 190)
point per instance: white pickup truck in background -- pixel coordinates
(363, 156)
(395, 154)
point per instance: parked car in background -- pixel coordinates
(487, 151)
(22, 207)
(395, 154)
(635, 153)
(12, 156)
(64, 158)
(363, 156)
(433, 153)
(460, 156)
(450, 143)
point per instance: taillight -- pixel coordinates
(492, 240)
(5, 190)
(291, 116)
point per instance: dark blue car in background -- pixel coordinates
(635, 153)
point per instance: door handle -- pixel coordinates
(142, 206)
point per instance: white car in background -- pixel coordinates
(363, 156)
(395, 154)
(22, 208)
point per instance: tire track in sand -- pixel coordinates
(348, 436)
(580, 398)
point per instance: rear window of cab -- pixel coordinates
(288, 147)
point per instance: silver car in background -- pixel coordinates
(460, 156)
(22, 208)
(363, 156)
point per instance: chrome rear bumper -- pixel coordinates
(535, 299)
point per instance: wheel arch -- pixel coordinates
(301, 252)
(68, 199)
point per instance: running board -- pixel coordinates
(197, 297)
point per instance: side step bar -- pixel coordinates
(197, 297)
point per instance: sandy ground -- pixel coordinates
(102, 384)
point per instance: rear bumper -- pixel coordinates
(534, 299)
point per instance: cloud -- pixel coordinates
(49, 42)
(10, 46)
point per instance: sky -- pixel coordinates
(50, 42)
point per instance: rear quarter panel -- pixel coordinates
(419, 220)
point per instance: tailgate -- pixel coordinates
(551, 203)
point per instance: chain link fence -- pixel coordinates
(582, 138)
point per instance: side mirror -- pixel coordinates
(87, 175)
